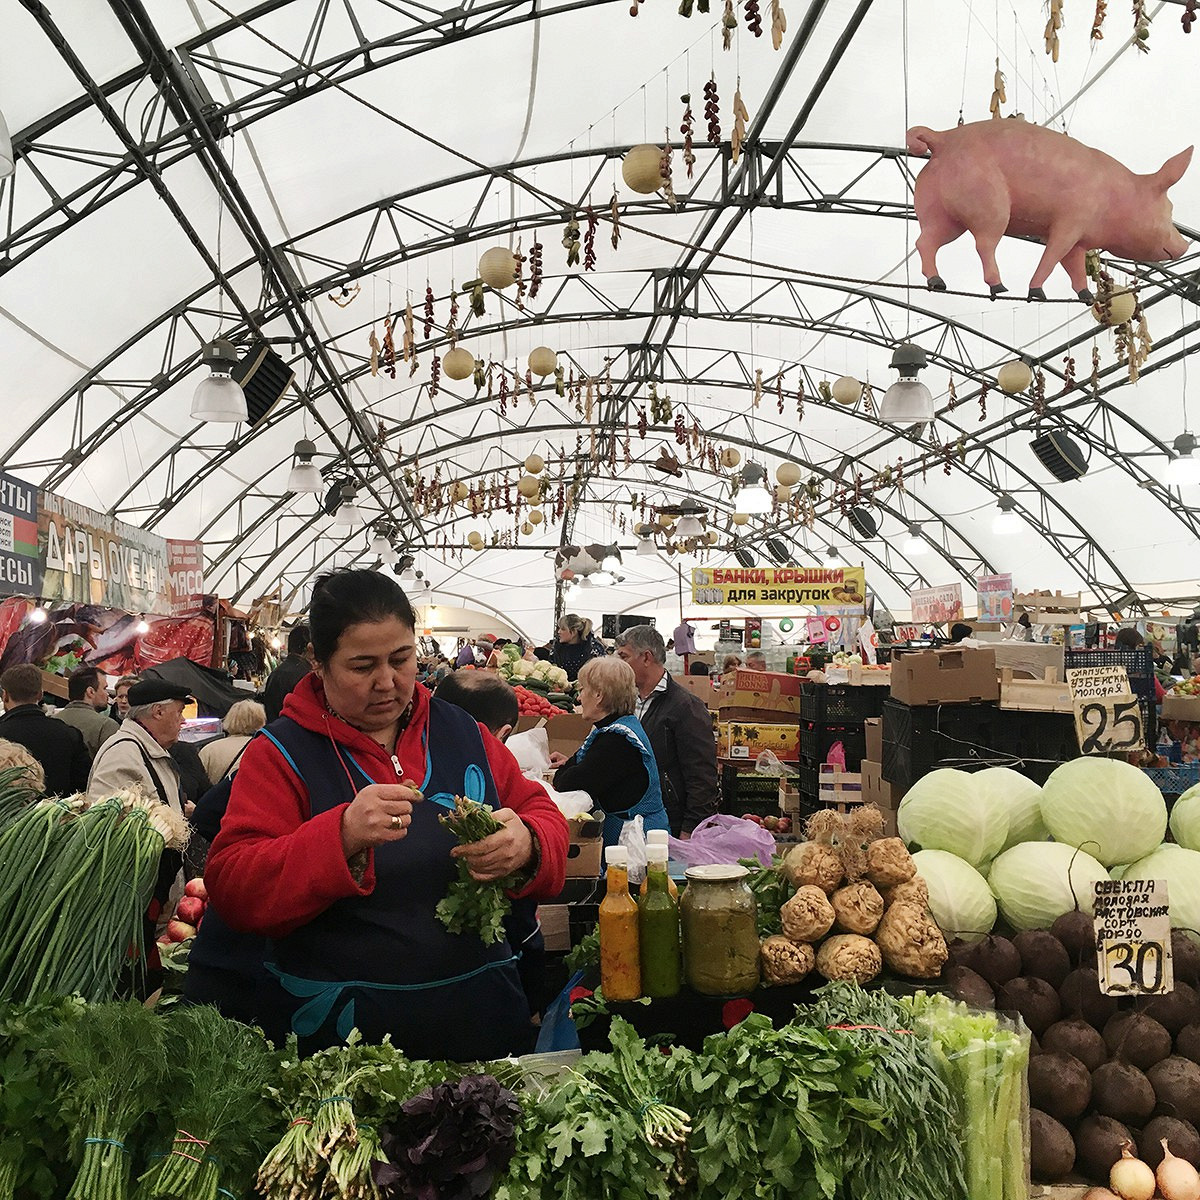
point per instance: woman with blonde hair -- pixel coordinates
(243, 720)
(576, 645)
(615, 765)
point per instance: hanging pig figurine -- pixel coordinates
(990, 178)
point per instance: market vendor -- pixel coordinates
(576, 645)
(331, 843)
(615, 765)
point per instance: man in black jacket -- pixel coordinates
(289, 672)
(680, 730)
(59, 747)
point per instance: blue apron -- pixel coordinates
(384, 963)
(650, 806)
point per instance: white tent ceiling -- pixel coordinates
(218, 165)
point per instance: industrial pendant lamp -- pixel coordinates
(907, 401)
(347, 514)
(1007, 520)
(7, 159)
(752, 498)
(915, 542)
(1184, 467)
(305, 475)
(219, 397)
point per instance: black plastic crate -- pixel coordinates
(742, 791)
(817, 740)
(841, 703)
(917, 740)
(1037, 735)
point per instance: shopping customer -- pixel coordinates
(576, 645)
(680, 731)
(58, 747)
(88, 707)
(243, 720)
(615, 765)
(120, 705)
(284, 678)
(331, 844)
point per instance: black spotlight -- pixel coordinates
(1060, 456)
(864, 523)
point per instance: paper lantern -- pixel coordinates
(847, 390)
(788, 474)
(529, 486)
(459, 491)
(741, 518)
(542, 360)
(526, 528)
(535, 464)
(458, 363)
(730, 458)
(783, 493)
(535, 516)
(1014, 377)
(642, 169)
(498, 268)
(1120, 309)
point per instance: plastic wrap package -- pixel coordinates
(768, 764)
(633, 838)
(531, 749)
(723, 839)
(984, 1058)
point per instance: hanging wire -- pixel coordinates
(908, 187)
(962, 101)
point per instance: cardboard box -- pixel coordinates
(748, 741)
(877, 790)
(1028, 658)
(873, 726)
(699, 685)
(567, 733)
(1180, 708)
(955, 676)
(556, 926)
(772, 691)
(584, 858)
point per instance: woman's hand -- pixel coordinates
(501, 853)
(557, 759)
(379, 813)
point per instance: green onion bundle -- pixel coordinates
(116, 1061)
(224, 1070)
(471, 906)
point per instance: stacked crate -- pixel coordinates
(832, 713)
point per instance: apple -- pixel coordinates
(190, 909)
(195, 887)
(180, 931)
(771, 823)
(784, 825)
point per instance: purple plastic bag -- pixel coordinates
(724, 839)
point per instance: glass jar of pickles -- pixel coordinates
(720, 931)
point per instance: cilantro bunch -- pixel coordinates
(471, 906)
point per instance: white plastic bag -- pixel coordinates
(531, 749)
(633, 838)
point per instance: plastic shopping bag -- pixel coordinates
(724, 839)
(633, 838)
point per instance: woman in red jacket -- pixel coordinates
(331, 845)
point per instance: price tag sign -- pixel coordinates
(1133, 937)
(1108, 716)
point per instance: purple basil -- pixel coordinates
(449, 1142)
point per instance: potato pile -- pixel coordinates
(1103, 1070)
(858, 906)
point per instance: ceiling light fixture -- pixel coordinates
(219, 397)
(646, 548)
(7, 158)
(378, 541)
(1183, 467)
(1007, 520)
(832, 552)
(915, 542)
(347, 514)
(305, 475)
(907, 401)
(752, 497)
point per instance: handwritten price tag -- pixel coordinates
(1108, 717)
(1133, 937)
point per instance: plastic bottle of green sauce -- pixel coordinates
(658, 929)
(658, 837)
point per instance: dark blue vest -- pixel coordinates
(384, 963)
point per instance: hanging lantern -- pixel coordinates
(542, 361)
(529, 486)
(847, 390)
(642, 169)
(458, 363)
(788, 474)
(730, 458)
(783, 493)
(498, 268)
(459, 491)
(535, 516)
(741, 518)
(535, 464)
(1014, 377)
(526, 528)
(1120, 309)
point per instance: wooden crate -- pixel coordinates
(839, 789)
(1048, 694)
(1052, 601)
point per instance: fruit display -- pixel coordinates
(189, 912)
(530, 703)
(770, 822)
(539, 675)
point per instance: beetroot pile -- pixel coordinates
(1104, 1070)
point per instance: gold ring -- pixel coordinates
(397, 822)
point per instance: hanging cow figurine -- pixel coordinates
(990, 178)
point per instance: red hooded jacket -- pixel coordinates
(272, 869)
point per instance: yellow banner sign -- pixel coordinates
(839, 587)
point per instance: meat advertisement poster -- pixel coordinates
(185, 574)
(20, 564)
(94, 559)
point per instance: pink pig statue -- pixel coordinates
(1011, 176)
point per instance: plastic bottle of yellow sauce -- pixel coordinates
(658, 837)
(620, 966)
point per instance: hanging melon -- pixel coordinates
(542, 361)
(846, 390)
(642, 169)
(458, 363)
(498, 268)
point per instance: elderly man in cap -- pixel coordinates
(139, 754)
